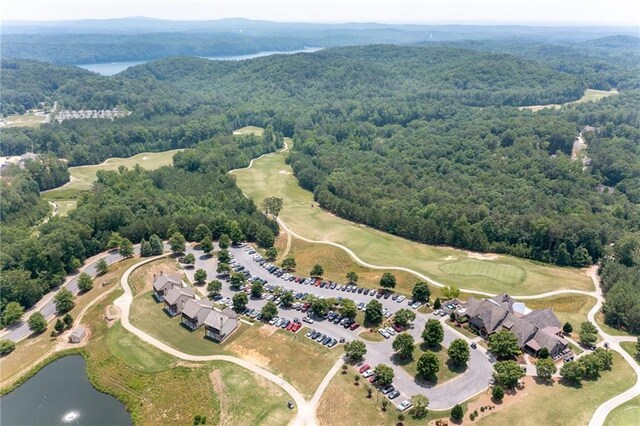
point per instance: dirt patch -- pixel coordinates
(267, 330)
(146, 157)
(111, 314)
(63, 340)
(449, 258)
(189, 364)
(251, 355)
(142, 279)
(284, 172)
(482, 256)
(218, 387)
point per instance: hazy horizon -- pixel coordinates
(426, 12)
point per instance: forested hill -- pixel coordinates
(362, 73)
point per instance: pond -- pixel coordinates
(61, 394)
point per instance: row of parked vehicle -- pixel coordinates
(323, 339)
(286, 324)
(368, 373)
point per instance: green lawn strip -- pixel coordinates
(630, 348)
(270, 176)
(562, 404)
(608, 329)
(447, 370)
(568, 308)
(371, 336)
(626, 414)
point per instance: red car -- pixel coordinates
(364, 368)
(398, 328)
(354, 326)
(372, 379)
(296, 327)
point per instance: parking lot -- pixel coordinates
(330, 332)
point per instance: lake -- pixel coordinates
(116, 67)
(61, 394)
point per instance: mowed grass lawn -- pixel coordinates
(270, 176)
(630, 348)
(344, 403)
(447, 370)
(571, 308)
(160, 389)
(564, 405)
(627, 414)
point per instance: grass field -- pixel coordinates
(572, 308)
(371, 336)
(558, 404)
(270, 176)
(590, 95)
(343, 403)
(447, 371)
(24, 120)
(630, 347)
(337, 263)
(627, 414)
(35, 347)
(249, 130)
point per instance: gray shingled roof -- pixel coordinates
(217, 319)
(542, 318)
(162, 280)
(192, 307)
(175, 293)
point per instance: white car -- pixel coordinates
(400, 299)
(384, 333)
(273, 320)
(367, 373)
(416, 305)
(388, 314)
(390, 330)
(307, 320)
(404, 405)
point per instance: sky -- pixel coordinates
(550, 12)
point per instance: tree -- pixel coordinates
(199, 419)
(384, 375)
(404, 317)
(592, 365)
(317, 271)
(459, 352)
(125, 249)
(269, 311)
(428, 365)
(235, 233)
(200, 276)
(289, 264)
(373, 313)
(223, 268)
(352, 277)
(498, 393)
(567, 328)
(102, 267)
(544, 353)
(240, 301)
(145, 248)
(157, 248)
(355, 350)
(201, 232)
(384, 404)
(638, 346)
(421, 291)
(214, 287)
(437, 303)
(85, 282)
(37, 323)
(256, 289)
(573, 372)
(588, 333)
(388, 280)
(6, 346)
(272, 205)
(605, 358)
(545, 368)
(349, 308)
(224, 242)
(433, 333)
(450, 292)
(189, 259)
(420, 404)
(58, 326)
(507, 373)
(206, 244)
(224, 256)
(237, 279)
(12, 313)
(67, 320)
(457, 413)
(177, 243)
(271, 253)
(403, 345)
(287, 299)
(504, 344)
(114, 241)
(64, 300)
(319, 307)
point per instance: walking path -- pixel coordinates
(305, 415)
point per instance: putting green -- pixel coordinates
(271, 177)
(507, 274)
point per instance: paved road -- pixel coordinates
(20, 330)
(304, 415)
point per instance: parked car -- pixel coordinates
(400, 299)
(354, 326)
(393, 395)
(332, 343)
(404, 405)
(364, 368)
(307, 320)
(384, 333)
(388, 389)
(367, 373)
(473, 345)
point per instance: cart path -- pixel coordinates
(305, 415)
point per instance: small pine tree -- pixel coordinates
(457, 413)
(497, 393)
(59, 326)
(67, 320)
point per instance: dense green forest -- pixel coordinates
(137, 204)
(422, 142)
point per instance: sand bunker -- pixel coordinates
(284, 172)
(482, 256)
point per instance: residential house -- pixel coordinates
(195, 312)
(163, 283)
(176, 298)
(218, 325)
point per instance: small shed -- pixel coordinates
(77, 334)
